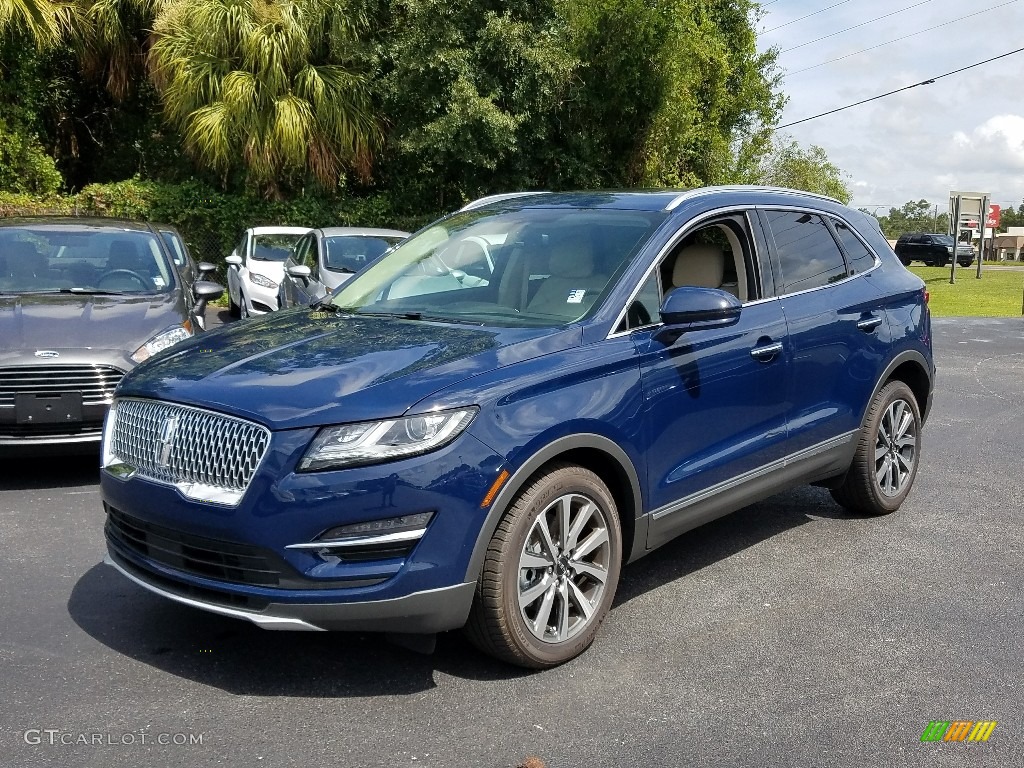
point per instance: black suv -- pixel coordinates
(934, 250)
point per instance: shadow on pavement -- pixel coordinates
(25, 473)
(242, 659)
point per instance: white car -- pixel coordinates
(325, 258)
(256, 268)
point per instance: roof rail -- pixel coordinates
(497, 198)
(691, 193)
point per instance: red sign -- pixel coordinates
(992, 221)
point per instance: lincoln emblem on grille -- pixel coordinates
(165, 443)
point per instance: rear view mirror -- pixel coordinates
(692, 308)
(205, 268)
(233, 260)
(300, 272)
(205, 292)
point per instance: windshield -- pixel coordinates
(944, 239)
(274, 247)
(532, 267)
(81, 259)
(350, 253)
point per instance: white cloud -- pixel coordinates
(965, 131)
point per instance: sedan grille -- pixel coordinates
(207, 455)
(95, 382)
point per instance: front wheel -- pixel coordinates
(885, 464)
(551, 570)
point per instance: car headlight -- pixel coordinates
(260, 280)
(162, 340)
(374, 442)
(949, 249)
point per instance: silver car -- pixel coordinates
(326, 258)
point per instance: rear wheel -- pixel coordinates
(550, 572)
(885, 464)
(234, 310)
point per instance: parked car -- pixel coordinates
(81, 302)
(256, 266)
(933, 249)
(417, 454)
(325, 258)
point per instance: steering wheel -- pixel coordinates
(143, 282)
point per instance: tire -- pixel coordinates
(888, 454)
(905, 261)
(243, 310)
(531, 604)
(966, 264)
(234, 310)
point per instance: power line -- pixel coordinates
(896, 40)
(929, 81)
(794, 21)
(855, 26)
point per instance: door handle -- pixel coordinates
(767, 352)
(868, 324)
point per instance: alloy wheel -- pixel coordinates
(563, 568)
(895, 448)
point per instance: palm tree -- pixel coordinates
(42, 20)
(265, 86)
(111, 37)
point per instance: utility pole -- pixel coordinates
(954, 230)
(982, 221)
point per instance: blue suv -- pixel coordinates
(480, 428)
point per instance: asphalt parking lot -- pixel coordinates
(788, 634)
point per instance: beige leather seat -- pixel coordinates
(572, 286)
(702, 266)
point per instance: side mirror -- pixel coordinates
(204, 268)
(233, 260)
(205, 292)
(692, 308)
(300, 272)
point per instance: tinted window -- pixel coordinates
(273, 247)
(857, 254)
(808, 253)
(350, 253)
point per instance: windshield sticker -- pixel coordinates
(576, 297)
(158, 281)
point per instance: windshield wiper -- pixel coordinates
(90, 292)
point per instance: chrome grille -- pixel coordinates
(95, 382)
(184, 446)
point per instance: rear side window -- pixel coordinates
(858, 256)
(808, 254)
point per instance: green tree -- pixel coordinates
(265, 88)
(787, 164)
(914, 216)
(42, 21)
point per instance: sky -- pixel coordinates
(963, 132)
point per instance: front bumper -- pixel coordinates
(243, 562)
(260, 300)
(435, 610)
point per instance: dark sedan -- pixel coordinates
(81, 302)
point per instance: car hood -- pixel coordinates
(272, 269)
(297, 368)
(62, 321)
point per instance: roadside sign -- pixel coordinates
(993, 217)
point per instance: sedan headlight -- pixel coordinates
(162, 340)
(260, 280)
(374, 442)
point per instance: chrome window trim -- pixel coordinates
(680, 234)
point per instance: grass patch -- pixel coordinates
(998, 293)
